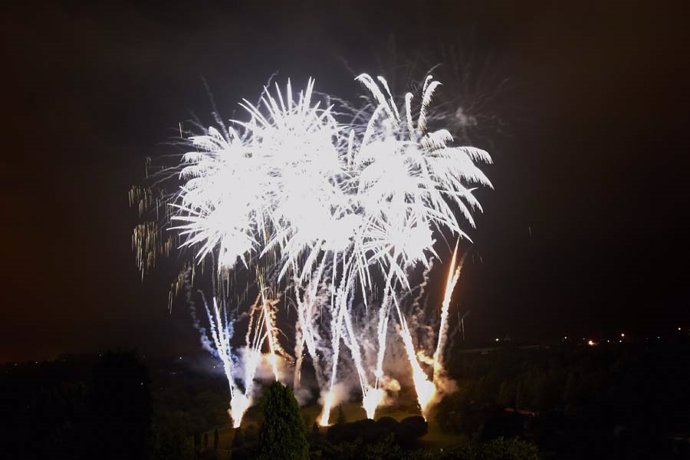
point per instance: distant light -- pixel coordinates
(679, 329)
(622, 335)
(180, 357)
(565, 338)
(591, 343)
(497, 339)
(620, 341)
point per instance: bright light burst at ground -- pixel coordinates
(324, 209)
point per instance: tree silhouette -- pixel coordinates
(282, 434)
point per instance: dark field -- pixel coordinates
(615, 401)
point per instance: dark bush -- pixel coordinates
(367, 431)
(410, 429)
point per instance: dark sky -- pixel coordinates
(592, 158)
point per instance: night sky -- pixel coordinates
(585, 233)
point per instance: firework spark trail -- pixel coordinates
(371, 396)
(335, 344)
(416, 303)
(451, 281)
(254, 341)
(381, 335)
(328, 400)
(267, 314)
(257, 332)
(382, 329)
(428, 390)
(339, 305)
(299, 356)
(423, 387)
(221, 333)
(300, 342)
(252, 321)
(305, 330)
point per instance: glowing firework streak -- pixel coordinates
(340, 307)
(371, 400)
(252, 359)
(258, 331)
(299, 355)
(221, 333)
(238, 406)
(305, 331)
(423, 387)
(328, 400)
(271, 339)
(451, 281)
(382, 329)
(371, 397)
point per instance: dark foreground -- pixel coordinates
(614, 401)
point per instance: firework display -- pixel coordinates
(327, 210)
